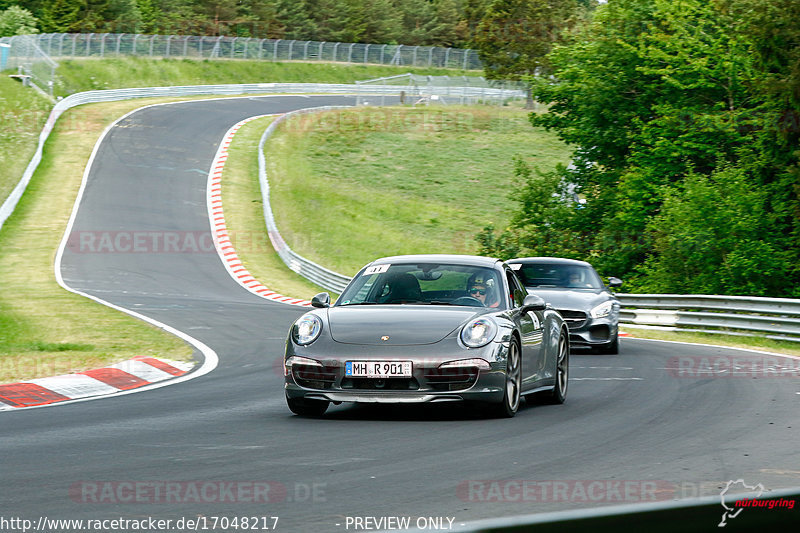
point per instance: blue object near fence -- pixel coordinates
(4, 49)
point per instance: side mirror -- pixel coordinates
(533, 303)
(614, 282)
(321, 300)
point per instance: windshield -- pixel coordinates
(559, 275)
(429, 283)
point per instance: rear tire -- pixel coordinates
(508, 407)
(559, 393)
(303, 407)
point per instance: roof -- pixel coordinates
(546, 260)
(472, 260)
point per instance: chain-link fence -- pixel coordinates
(203, 47)
(26, 56)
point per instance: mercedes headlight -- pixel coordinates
(602, 310)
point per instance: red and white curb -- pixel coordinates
(219, 229)
(120, 377)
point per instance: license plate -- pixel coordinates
(377, 369)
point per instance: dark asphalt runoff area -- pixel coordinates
(632, 429)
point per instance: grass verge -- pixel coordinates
(349, 186)
(75, 75)
(23, 113)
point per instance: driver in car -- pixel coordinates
(482, 288)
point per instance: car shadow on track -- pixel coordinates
(426, 412)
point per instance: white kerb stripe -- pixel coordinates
(74, 385)
(143, 371)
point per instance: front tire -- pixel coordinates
(303, 407)
(508, 407)
(559, 393)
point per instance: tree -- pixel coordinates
(514, 37)
(656, 96)
(17, 21)
(62, 16)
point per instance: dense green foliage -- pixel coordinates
(683, 116)
(410, 22)
(17, 21)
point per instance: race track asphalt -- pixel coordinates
(630, 423)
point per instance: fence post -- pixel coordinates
(152, 42)
(89, 45)
(275, 51)
(166, 52)
(366, 54)
(319, 56)
(335, 46)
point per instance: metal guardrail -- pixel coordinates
(778, 318)
(310, 270)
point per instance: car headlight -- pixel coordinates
(478, 332)
(306, 329)
(602, 310)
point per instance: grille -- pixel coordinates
(574, 319)
(314, 377)
(380, 383)
(451, 379)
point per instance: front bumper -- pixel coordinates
(588, 332)
(428, 382)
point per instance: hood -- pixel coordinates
(405, 325)
(577, 299)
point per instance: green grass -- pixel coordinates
(23, 112)
(89, 74)
(350, 186)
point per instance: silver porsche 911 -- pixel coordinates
(428, 328)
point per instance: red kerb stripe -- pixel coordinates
(116, 378)
(28, 394)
